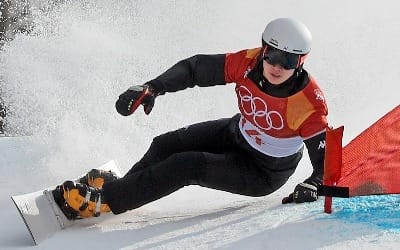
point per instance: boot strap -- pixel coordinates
(86, 201)
(98, 205)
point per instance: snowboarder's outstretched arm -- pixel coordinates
(198, 70)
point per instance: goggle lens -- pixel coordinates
(285, 59)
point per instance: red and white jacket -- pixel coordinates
(276, 126)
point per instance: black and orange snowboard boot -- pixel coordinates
(97, 177)
(78, 200)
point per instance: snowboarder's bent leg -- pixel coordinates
(230, 172)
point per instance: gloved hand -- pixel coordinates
(303, 192)
(130, 100)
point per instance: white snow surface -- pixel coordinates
(61, 81)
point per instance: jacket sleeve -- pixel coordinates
(316, 151)
(198, 70)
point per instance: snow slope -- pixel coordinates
(61, 82)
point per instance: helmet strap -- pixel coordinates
(302, 59)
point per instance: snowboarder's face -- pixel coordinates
(276, 74)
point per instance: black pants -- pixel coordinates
(211, 154)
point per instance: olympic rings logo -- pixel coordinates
(257, 108)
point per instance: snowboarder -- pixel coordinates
(253, 153)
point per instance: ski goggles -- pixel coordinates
(285, 59)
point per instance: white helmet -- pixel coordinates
(288, 35)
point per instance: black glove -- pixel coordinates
(303, 192)
(130, 100)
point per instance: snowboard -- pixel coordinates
(41, 214)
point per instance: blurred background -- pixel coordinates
(14, 18)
